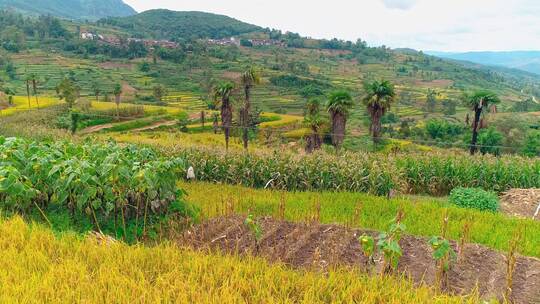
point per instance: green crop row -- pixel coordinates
(423, 216)
(418, 173)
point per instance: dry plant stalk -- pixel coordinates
(317, 212)
(441, 276)
(511, 261)
(281, 207)
(464, 238)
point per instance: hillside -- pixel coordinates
(165, 24)
(71, 9)
(528, 61)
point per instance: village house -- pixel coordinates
(267, 42)
(224, 41)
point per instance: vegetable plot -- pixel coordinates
(128, 189)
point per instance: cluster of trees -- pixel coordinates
(247, 121)
(16, 30)
(179, 26)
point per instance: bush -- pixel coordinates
(475, 198)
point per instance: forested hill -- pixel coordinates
(166, 24)
(71, 9)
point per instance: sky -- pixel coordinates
(429, 25)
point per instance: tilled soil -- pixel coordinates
(320, 246)
(522, 203)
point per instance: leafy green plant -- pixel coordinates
(475, 198)
(367, 243)
(125, 187)
(255, 229)
(443, 254)
(388, 244)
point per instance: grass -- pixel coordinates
(20, 104)
(34, 264)
(424, 215)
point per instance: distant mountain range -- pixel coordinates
(528, 61)
(71, 9)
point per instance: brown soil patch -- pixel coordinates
(128, 92)
(232, 75)
(320, 246)
(115, 65)
(524, 203)
(439, 83)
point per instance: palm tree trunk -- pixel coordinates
(376, 129)
(477, 114)
(376, 114)
(317, 141)
(226, 120)
(245, 117)
(117, 107)
(338, 129)
(34, 85)
(28, 93)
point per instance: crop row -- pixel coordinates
(423, 216)
(421, 173)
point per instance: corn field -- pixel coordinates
(428, 173)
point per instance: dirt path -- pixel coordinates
(156, 125)
(97, 128)
(318, 246)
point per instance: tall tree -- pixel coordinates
(34, 80)
(159, 92)
(339, 104)
(28, 80)
(96, 89)
(117, 91)
(250, 78)
(379, 97)
(479, 102)
(314, 121)
(223, 92)
(68, 91)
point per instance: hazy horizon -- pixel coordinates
(444, 25)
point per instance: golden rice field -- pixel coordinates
(185, 140)
(36, 266)
(285, 120)
(20, 104)
(148, 109)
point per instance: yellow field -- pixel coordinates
(284, 121)
(37, 267)
(170, 140)
(21, 104)
(148, 109)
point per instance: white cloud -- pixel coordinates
(452, 25)
(399, 4)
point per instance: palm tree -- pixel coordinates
(249, 79)
(33, 79)
(96, 89)
(479, 102)
(380, 95)
(118, 95)
(28, 90)
(314, 121)
(223, 92)
(339, 104)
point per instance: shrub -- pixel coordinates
(475, 198)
